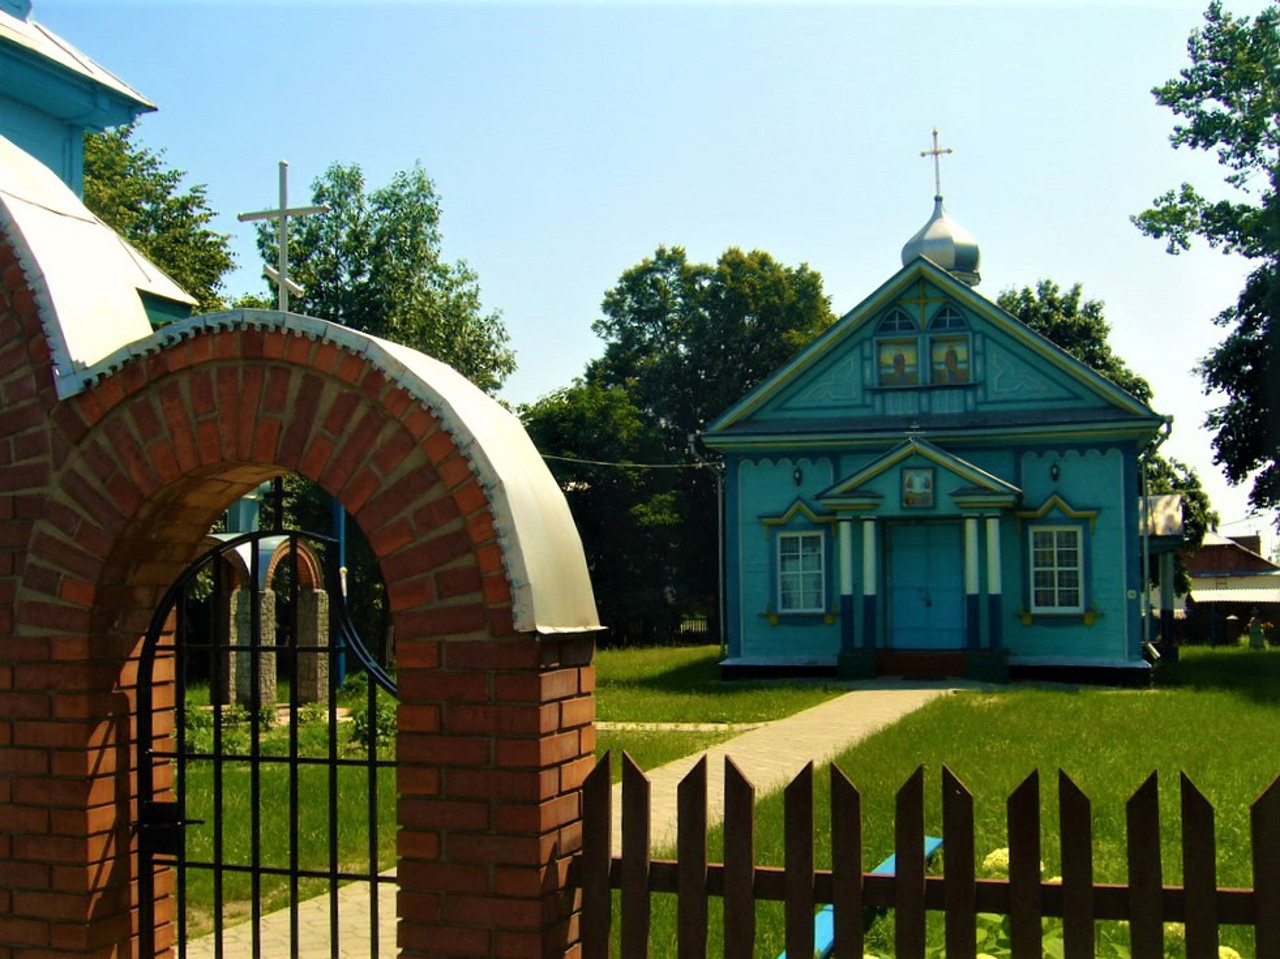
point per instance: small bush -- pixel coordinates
(197, 728)
(382, 726)
(234, 716)
(355, 685)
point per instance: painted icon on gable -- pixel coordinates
(899, 363)
(917, 488)
(949, 358)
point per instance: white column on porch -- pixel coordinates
(870, 555)
(971, 556)
(995, 602)
(993, 555)
(848, 629)
(972, 578)
(846, 557)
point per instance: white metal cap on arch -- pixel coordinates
(547, 572)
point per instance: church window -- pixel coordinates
(897, 321)
(948, 318)
(801, 572)
(1057, 570)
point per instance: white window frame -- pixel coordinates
(800, 536)
(1057, 569)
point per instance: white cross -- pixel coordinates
(280, 275)
(937, 167)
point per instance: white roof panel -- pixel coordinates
(85, 276)
(1228, 594)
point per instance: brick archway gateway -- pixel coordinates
(105, 496)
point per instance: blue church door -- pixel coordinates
(925, 567)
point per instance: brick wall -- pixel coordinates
(105, 497)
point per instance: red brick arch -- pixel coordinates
(106, 496)
(310, 573)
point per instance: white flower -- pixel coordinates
(1226, 952)
(997, 861)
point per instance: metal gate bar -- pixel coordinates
(160, 825)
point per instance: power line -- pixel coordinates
(631, 466)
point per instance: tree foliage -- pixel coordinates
(1229, 100)
(1076, 325)
(690, 339)
(374, 263)
(683, 342)
(625, 514)
(131, 190)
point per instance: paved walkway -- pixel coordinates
(769, 755)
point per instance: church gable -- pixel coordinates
(916, 475)
(925, 345)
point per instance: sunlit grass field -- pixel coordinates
(1216, 717)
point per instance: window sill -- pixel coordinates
(1088, 616)
(798, 618)
(890, 387)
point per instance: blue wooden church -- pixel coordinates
(931, 488)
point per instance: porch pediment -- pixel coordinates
(978, 487)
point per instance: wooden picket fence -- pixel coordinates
(1146, 903)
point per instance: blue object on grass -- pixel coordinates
(824, 922)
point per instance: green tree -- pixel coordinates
(683, 342)
(134, 193)
(1076, 325)
(1229, 98)
(626, 513)
(689, 339)
(373, 263)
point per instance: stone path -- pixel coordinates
(313, 929)
(769, 755)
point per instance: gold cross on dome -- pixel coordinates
(936, 153)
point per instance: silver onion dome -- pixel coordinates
(947, 244)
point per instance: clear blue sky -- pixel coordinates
(568, 141)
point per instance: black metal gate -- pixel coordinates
(267, 815)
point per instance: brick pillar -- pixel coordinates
(313, 630)
(495, 739)
(242, 635)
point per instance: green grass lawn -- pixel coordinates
(1216, 717)
(683, 685)
(275, 824)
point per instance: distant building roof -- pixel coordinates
(36, 56)
(1251, 542)
(1219, 555)
(1208, 593)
